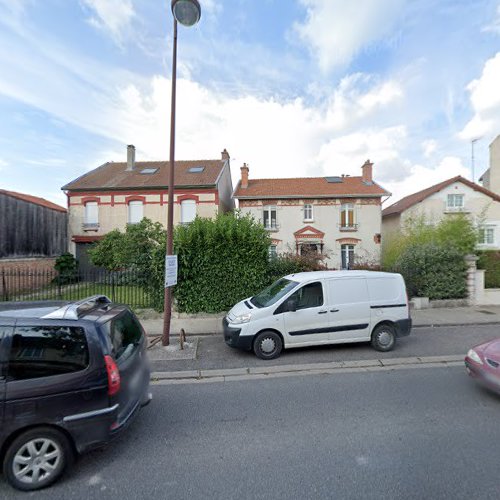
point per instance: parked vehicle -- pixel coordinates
(483, 363)
(72, 377)
(322, 307)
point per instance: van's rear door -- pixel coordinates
(127, 347)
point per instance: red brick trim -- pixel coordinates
(316, 233)
(348, 241)
(86, 239)
(88, 199)
(185, 197)
(128, 199)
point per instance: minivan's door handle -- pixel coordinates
(322, 312)
(334, 310)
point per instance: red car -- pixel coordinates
(483, 362)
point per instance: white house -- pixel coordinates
(338, 216)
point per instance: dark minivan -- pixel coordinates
(72, 376)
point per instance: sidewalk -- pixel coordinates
(209, 358)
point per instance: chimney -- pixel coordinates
(225, 154)
(367, 172)
(494, 170)
(130, 157)
(244, 176)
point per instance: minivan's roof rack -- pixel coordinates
(70, 311)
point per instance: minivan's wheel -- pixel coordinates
(383, 338)
(267, 345)
(37, 458)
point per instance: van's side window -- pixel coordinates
(310, 295)
(3, 333)
(41, 351)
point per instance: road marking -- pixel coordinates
(364, 366)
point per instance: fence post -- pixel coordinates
(5, 293)
(470, 261)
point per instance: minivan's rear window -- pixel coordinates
(124, 332)
(42, 351)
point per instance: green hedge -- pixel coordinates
(489, 260)
(433, 271)
(221, 261)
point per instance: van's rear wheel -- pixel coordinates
(384, 338)
(37, 458)
(267, 345)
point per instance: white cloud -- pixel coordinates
(336, 30)
(111, 16)
(485, 100)
(422, 176)
(3, 164)
(429, 147)
(494, 27)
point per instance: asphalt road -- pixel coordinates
(213, 353)
(404, 434)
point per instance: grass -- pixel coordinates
(125, 294)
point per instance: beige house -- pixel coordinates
(339, 217)
(455, 195)
(120, 193)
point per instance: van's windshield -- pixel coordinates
(273, 293)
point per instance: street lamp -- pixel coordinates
(187, 13)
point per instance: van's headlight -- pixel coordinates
(472, 354)
(244, 318)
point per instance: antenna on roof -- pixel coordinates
(472, 142)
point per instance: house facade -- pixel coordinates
(337, 217)
(455, 195)
(120, 193)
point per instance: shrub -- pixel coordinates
(67, 267)
(434, 271)
(290, 263)
(221, 261)
(489, 260)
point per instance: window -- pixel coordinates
(269, 218)
(124, 332)
(42, 351)
(188, 211)
(91, 212)
(308, 249)
(347, 256)
(455, 201)
(347, 215)
(196, 170)
(272, 252)
(135, 211)
(310, 295)
(273, 293)
(308, 212)
(487, 236)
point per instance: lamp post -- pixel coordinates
(187, 13)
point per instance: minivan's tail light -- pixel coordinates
(113, 375)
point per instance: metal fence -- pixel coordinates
(33, 285)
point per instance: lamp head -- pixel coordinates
(186, 12)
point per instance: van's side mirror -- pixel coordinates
(292, 304)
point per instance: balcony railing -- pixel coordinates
(272, 226)
(349, 227)
(90, 226)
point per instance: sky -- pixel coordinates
(293, 88)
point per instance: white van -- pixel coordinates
(321, 307)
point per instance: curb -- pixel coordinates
(232, 374)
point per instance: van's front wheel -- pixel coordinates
(384, 338)
(267, 345)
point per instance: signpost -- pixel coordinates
(170, 270)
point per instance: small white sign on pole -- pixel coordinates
(170, 270)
